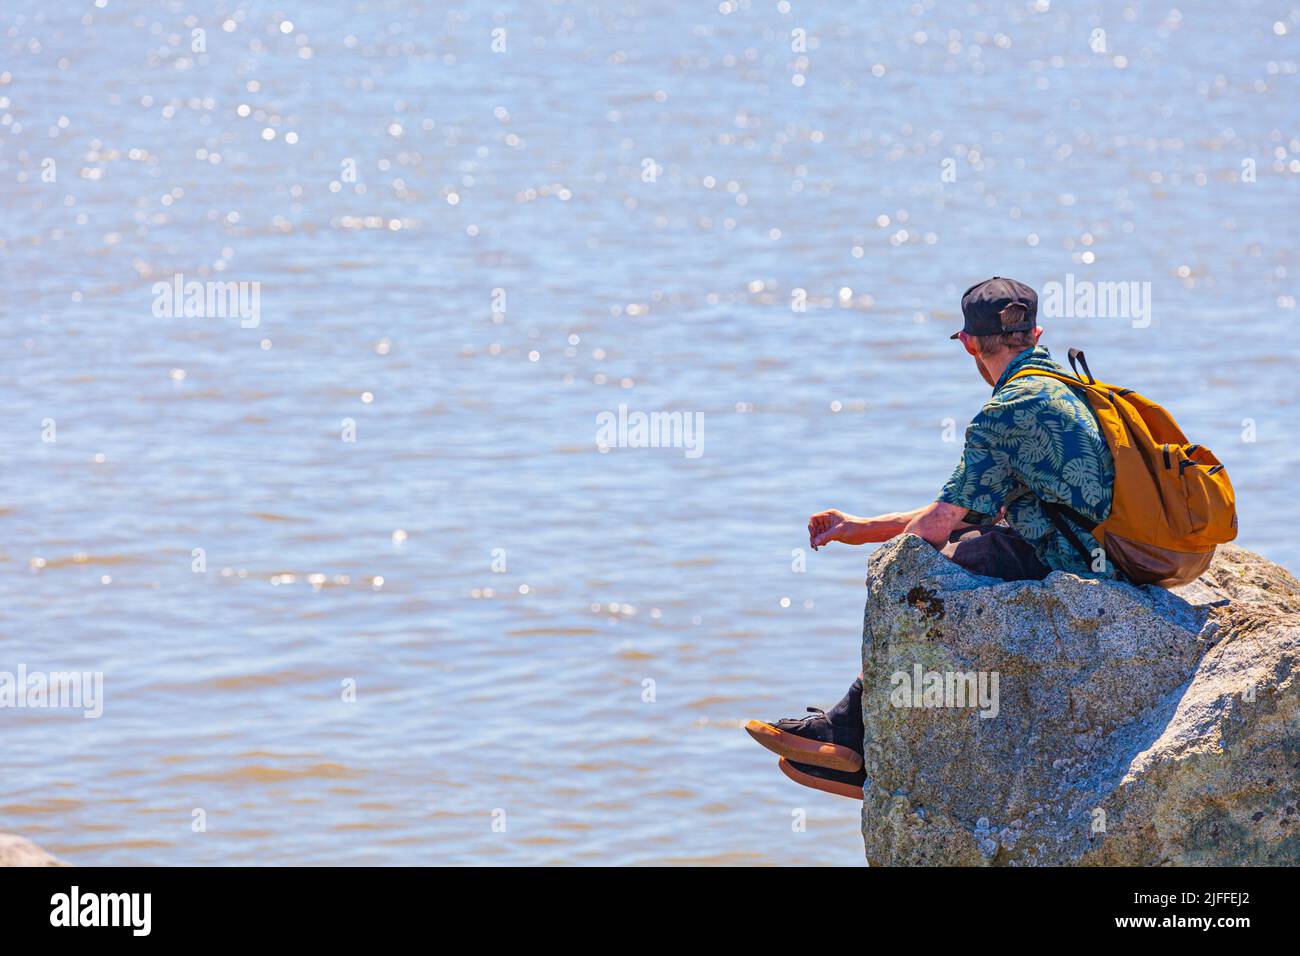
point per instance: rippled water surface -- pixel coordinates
(647, 184)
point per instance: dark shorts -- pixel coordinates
(996, 551)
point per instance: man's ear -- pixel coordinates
(1038, 330)
(968, 344)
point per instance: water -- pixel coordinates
(479, 691)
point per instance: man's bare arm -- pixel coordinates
(936, 522)
(834, 525)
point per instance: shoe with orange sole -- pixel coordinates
(811, 740)
(828, 781)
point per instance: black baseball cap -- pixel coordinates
(985, 307)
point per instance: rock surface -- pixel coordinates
(1123, 725)
(16, 851)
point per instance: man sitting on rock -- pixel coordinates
(1035, 441)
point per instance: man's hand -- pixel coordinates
(827, 526)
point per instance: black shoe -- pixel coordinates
(816, 740)
(829, 781)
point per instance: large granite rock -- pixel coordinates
(1121, 725)
(16, 851)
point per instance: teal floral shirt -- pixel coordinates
(1037, 438)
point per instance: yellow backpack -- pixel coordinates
(1172, 502)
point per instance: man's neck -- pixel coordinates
(995, 365)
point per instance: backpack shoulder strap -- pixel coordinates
(1060, 377)
(1057, 513)
(1077, 358)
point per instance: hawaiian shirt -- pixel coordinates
(1037, 438)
